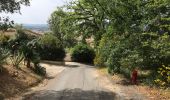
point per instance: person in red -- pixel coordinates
(134, 76)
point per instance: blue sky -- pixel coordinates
(38, 12)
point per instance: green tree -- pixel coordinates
(56, 21)
(62, 28)
(88, 18)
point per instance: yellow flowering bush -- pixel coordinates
(163, 79)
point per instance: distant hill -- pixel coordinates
(40, 28)
(12, 32)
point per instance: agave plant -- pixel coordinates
(4, 53)
(16, 59)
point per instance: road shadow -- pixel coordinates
(72, 66)
(59, 63)
(66, 64)
(75, 94)
(124, 82)
(128, 83)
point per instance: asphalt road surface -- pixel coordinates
(75, 82)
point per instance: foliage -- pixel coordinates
(88, 18)
(40, 70)
(15, 43)
(146, 50)
(61, 28)
(30, 52)
(5, 23)
(4, 40)
(82, 53)
(50, 40)
(4, 53)
(127, 33)
(102, 52)
(16, 59)
(163, 79)
(3, 56)
(23, 46)
(55, 23)
(10, 6)
(51, 48)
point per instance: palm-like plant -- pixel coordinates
(29, 52)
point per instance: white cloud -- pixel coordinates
(38, 12)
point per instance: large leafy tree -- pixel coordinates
(12, 6)
(89, 18)
(56, 23)
(93, 18)
(127, 33)
(62, 27)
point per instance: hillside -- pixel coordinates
(11, 32)
(16, 81)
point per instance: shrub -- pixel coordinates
(102, 52)
(82, 53)
(52, 53)
(20, 39)
(113, 61)
(21, 35)
(4, 40)
(16, 59)
(3, 55)
(163, 78)
(39, 70)
(51, 48)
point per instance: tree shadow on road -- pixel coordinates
(75, 94)
(73, 66)
(59, 63)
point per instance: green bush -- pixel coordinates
(3, 56)
(30, 52)
(102, 52)
(20, 39)
(4, 40)
(39, 70)
(51, 48)
(144, 50)
(163, 78)
(82, 53)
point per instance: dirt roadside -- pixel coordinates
(52, 72)
(134, 92)
(15, 81)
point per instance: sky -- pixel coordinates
(38, 12)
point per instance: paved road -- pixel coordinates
(76, 82)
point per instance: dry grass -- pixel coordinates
(29, 32)
(151, 92)
(14, 84)
(8, 33)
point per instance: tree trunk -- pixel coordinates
(28, 63)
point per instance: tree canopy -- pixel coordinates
(126, 33)
(10, 6)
